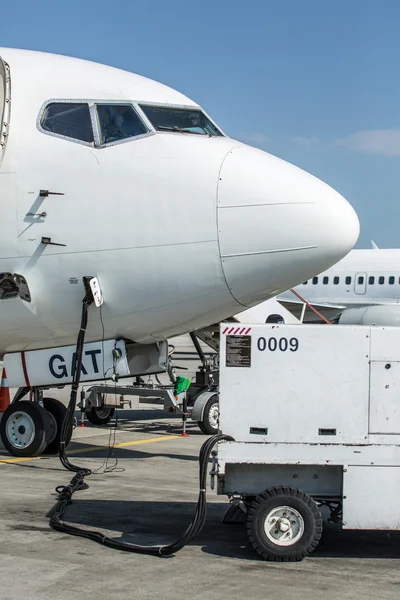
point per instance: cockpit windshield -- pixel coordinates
(180, 120)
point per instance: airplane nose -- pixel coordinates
(278, 225)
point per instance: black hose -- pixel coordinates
(66, 428)
(65, 494)
(77, 483)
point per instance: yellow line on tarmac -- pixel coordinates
(18, 460)
(124, 444)
(91, 449)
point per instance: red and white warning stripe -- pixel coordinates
(25, 370)
(236, 330)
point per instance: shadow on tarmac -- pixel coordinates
(146, 420)
(161, 522)
(80, 451)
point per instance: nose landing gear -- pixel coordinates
(32, 428)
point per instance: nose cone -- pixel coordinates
(278, 225)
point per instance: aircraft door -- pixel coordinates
(8, 213)
(360, 283)
(4, 105)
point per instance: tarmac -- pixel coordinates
(149, 498)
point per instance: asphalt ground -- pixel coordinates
(150, 498)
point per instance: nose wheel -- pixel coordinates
(23, 429)
(56, 412)
(29, 429)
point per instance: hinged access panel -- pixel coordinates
(384, 394)
(385, 397)
(370, 496)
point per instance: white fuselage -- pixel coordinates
(362, 278)
(181, 230)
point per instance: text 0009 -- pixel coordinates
(282, 344)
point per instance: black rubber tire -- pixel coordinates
(205, 425)
(95, 419)
(41, 424)
(303, 504)
(58, 410)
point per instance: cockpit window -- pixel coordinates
(118, 122)
(68, 119)
(180, 120)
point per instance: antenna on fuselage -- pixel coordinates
(374, 246)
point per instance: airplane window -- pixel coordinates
(360, 280)
(348, 280)
(391, 280)
(336, 280)
(69, 119)
(315, 280)
(180, 120)
(325, 280)
(305, 282)
(381, 280)
(371, 280)
(118, 122)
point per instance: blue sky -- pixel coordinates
(313, 81)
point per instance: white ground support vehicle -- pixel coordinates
(315, 414)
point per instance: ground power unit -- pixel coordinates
(315, 414)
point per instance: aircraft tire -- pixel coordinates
(99, 415)
(57, 411)
(209, 424)
(25, 428)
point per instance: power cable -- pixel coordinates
(77, 483)
(105, 467)
(66, 428)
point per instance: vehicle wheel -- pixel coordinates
(284, 524)
(25, 428)
(56, 411)
(99, 415)
(210, 422)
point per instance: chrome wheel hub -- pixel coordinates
(284, 526)
(20, 429)
(213, 415)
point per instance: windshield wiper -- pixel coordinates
(180, 130)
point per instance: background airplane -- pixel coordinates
(362, 288)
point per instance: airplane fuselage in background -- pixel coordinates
(364, 278)
(181, 225)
